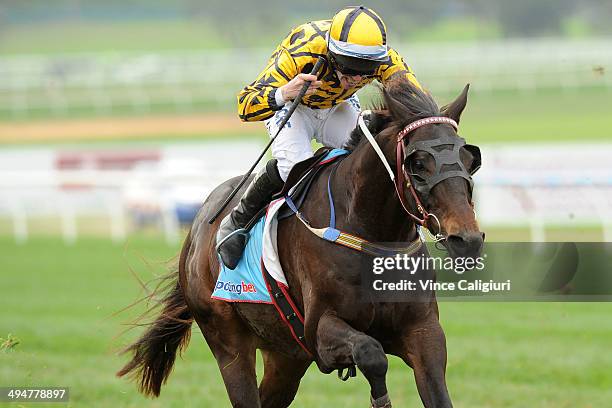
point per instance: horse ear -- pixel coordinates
(454, 109)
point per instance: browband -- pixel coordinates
(427, 121)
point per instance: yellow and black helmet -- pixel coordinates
(357, 41)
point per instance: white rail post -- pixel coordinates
(20, 221)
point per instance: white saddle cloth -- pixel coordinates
(269, 253)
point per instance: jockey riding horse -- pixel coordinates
(354, 45)
(338, 332)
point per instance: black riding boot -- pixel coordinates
(258, 194)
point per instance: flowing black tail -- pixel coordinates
(154, 353)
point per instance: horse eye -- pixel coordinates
(419, 165)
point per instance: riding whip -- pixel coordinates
(292, 108)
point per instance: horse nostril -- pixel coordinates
(466, 243)
(456, 242)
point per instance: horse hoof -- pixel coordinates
(382, 402)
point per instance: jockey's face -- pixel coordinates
(350, 81)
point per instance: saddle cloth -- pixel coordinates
(246, 283)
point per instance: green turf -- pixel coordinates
(195, 33)
(546, 116)
(58, 301)
(117, 110)
(542, 116)
(91, 36)
(522, 233)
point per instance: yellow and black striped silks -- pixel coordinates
(298, 53)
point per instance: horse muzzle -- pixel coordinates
(465, 244)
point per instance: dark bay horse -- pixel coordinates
(342, 328)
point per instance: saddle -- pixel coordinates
(300, 180)
(296, 187)
(302, 176)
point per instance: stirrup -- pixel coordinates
(239, 231)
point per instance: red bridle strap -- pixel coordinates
(402, 176)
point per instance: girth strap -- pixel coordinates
(287, 309)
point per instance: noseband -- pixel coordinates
(445, 152)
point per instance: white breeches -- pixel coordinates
(330, 127)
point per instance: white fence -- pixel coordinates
(125, 187)
(108, 83)
(551, 185)
(529, 187)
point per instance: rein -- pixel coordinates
(400, 179)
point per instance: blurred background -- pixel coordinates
(120, 116)
(117, 118)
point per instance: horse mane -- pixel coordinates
(377, 121)
(403, 102)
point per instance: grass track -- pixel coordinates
(546, 116)
(107, 36)
(59, 300)
(553, 116)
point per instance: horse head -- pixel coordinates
(434, 165)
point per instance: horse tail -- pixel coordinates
(153, 354)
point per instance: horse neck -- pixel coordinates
(371, 207)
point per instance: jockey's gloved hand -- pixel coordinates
(291, 89)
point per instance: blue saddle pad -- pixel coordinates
(333, 155)
(246, 282)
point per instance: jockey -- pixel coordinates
(354, 44)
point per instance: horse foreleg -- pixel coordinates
(424, 349)
(281, 379)
(341, 346)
